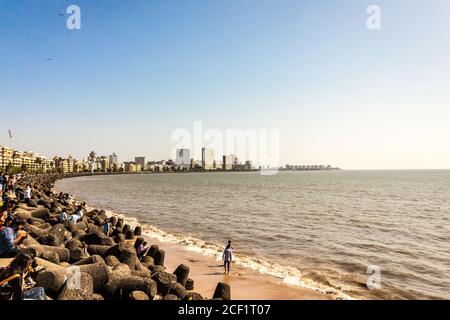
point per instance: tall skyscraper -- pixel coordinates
(227, 163)
(91, 157)
(207, 158)
(183, 158)
(114, 159)
(140, 160)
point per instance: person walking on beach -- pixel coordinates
(227, 257)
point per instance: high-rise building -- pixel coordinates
(114, 162)
(139, 160)
(6, 157)
(248, 165)
(227, 163)
(183, 158)
(91, 157)
(114, 159)
(104, 164)
(207, 158)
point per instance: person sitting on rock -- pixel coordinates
(11, 184)
(80, 211)
(12, 276)
(74, 218)
(142, 250)
(2, 180)
(106, 227)
(63, 216)
(3, 216)
(11, 236)
(10, 196)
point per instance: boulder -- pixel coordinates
(126, 228)
(32, 204)
(139, 295)
(78, 288)
(119, 238)
(55, 235)
(137, 231)
(112, 261)
(72, 244)
(164, 282)
(182, 273)
(159, 257)
(222, 291)
(50, 256)
(126, 253)
(147, 261)
(95, 249)
(189, 284)
(153, 248)
(129, 235)
(42, 213)
(193, 296)
(122, 286)
(99, 272)
(78, 253)
(89, 260)
(178, 290)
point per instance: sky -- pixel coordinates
(137, 70)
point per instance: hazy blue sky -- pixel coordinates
(137, 70)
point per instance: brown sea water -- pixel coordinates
(313, 229)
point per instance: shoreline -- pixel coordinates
(207, 270)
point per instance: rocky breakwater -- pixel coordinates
(83, 263)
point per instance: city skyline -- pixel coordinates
(337, 91)
(12, 160)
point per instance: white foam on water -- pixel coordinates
(289, 275)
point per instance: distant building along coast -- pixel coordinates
(13, 161)
(308, 167)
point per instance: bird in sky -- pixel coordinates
(61, 14)
(49, 59)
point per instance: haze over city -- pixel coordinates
(339, 93)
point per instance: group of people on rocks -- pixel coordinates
(8, 188)
(74, 217)
(16, 277)
(11, 235)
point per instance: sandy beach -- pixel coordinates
(245, 284)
